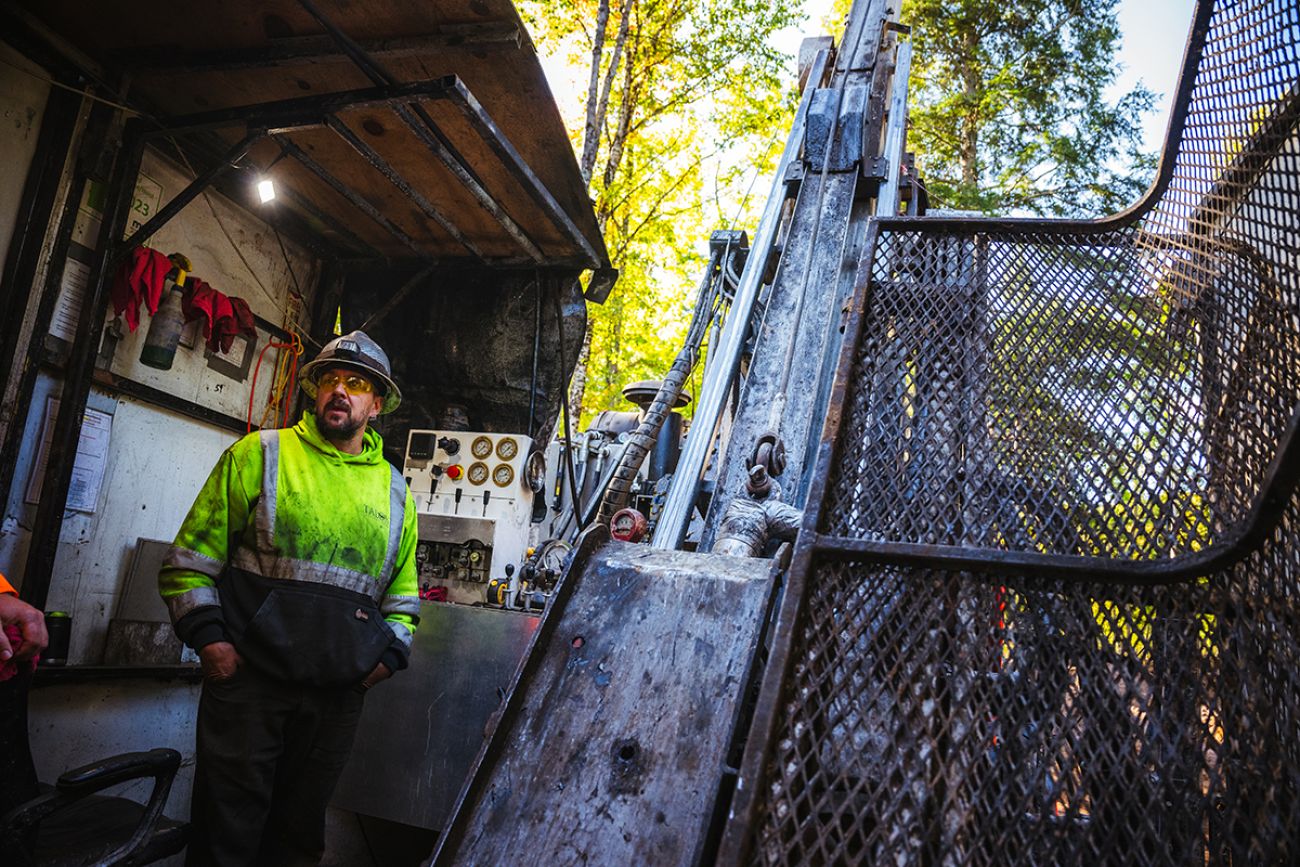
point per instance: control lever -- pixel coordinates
(456, 509)
(487, 497)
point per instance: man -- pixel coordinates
(293, 576)
(28, 621)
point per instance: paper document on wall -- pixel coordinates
(92, 458)
(67, 310)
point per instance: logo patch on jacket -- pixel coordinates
(361, 615)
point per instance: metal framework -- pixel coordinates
(1042, 609)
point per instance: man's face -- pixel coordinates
(341, 413)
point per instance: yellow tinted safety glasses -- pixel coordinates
(353, 383)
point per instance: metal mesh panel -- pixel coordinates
(1065, 394)
(1119, 392)
(1113, 394)
(940, 718)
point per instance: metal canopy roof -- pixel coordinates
(471, 160)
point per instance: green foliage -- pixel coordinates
(696, 107)
(1008, 107)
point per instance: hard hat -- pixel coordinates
(357, 351)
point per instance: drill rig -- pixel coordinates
(1040, 608)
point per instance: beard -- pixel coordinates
(340, 430)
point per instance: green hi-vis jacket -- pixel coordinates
(300, 555)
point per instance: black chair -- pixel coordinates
(70, 823)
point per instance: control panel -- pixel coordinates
(474, 496)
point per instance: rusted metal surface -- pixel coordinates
(981, 656)
(614, 738)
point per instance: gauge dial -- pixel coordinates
(503, 475)
(477, 473)
(554, 555)
(481, 447)
(507, 448)
(535, 471)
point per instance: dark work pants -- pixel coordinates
(269, 754)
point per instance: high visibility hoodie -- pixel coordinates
(300, 555)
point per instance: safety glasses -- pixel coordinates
(352, 382)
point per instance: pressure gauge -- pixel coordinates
(477, 473)
(503, 475)
(481, 447)
(507, 448)
(535, 471)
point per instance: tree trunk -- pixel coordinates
(591, 131)
(578, 384)
(625, 109)
(970, 124)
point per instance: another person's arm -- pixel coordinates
(30, 623)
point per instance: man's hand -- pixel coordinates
(219, 660)
(380, 672)
(30, 622)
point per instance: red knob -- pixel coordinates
(454, 472)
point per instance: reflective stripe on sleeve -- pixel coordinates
(183, 603)
(184, 558)
(396, 515)
(264, 512)
(402, 631)
(400, 605)
(289, 569)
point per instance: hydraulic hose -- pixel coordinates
(643, 438)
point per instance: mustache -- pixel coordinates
(338, 403)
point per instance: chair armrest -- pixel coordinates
(161, 764)
(99, 775)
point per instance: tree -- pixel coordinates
(1008, 107)
(681, 102)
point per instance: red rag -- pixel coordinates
(224, 326)
(243, 316)
(140, 278)
(154, 279)
(220, 325)
(199, 301)
(10, 667)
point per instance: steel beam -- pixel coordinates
(895, 134)
(301, 112)
(76, 385)
(328, 221)
(32, 224)
(487, 128)
(192, 190)
(395, 178)
(317, 50)
(467, 179)
(347, 192)
(399, 296)
(420, 123)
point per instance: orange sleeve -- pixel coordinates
(5, 586)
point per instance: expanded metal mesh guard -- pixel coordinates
(948, 718)
(1042, 393)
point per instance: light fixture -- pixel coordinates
(266, 190)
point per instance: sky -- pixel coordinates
(1155, 34)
